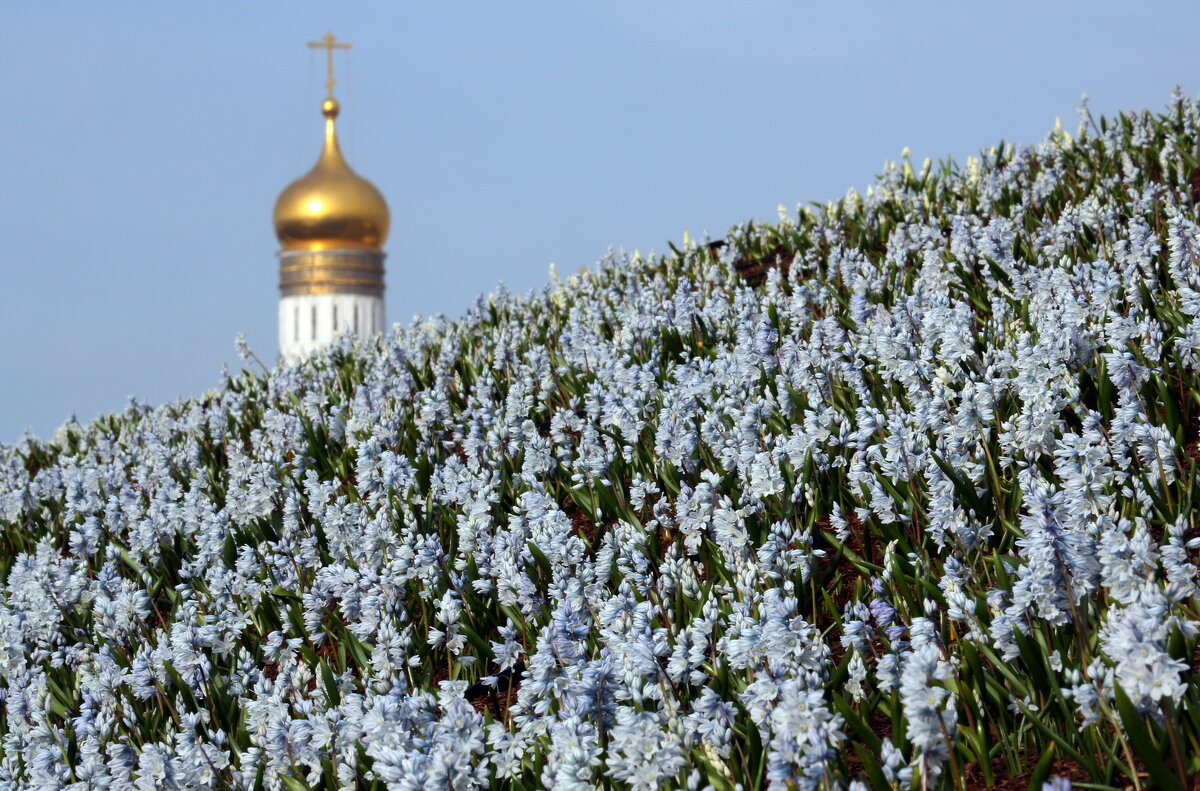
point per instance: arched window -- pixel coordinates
(296, 324)
(355, 318)
(335, 324)
(314, 322)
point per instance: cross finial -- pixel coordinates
(328, 44)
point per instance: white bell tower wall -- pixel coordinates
(326, 293)
(310, 322)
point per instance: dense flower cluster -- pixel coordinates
(895, 493)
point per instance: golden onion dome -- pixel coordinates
(331, 207)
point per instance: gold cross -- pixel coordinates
(327, 43)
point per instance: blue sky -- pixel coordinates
(142, 146)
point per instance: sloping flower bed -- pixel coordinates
(896, 493)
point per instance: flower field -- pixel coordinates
(899, 492)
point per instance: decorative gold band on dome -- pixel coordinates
(331, 272)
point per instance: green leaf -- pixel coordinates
(1042, 770)
(1032, 718)
(963, 487)
(713, 774)
(284, 593)
(184, 690)
(542, 562)
(331, 688)
(360, 653)
(861, 729)
(475, 640)
(871, 765)
(294, 783)
(1143, 745)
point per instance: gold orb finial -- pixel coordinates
(329, 108)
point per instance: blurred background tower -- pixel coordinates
(332, 224)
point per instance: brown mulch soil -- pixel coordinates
(496, 701)
(326, 650)
(754, 270)
(442, 673)
(581, 525)
(1063, 767)
(1154, 171)
(160, 611)
(846, 572)
(499, 698)
(484, 698)
(973, 777)
(1191, 429)
(1192, 439)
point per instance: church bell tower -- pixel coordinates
(331, 224)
